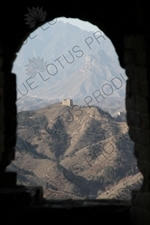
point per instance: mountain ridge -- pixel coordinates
(78, 150)
(93, 63)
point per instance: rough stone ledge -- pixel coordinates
(140, 216)
(140, 136)
(142, 153)
(69, 211)
(144, 167)
(142, 201)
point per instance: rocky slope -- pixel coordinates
(73, 152)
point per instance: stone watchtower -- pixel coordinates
(68, 102)
(121, 117)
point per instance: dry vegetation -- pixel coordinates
(75, 152)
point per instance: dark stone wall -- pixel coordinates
(127, 25)
(136, 58)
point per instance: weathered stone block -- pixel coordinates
(128, 88)
(142, 200)
(129, 56)
(140, 136)
(145, 122)
(142, 152)
(130, 104)
(137, 104)
(1, 103)
(1, 78)
(1, 138)
(130, 70)
(144, 167)
(139, 41)
(142, 105)
(146, 184)
(139, 120)
(139, 216)
(140, 72)
(144, 89)
(1, 143)
(1, 63)
(1, 109)
(140, 57)
(128, 41)
(134, 41)
(1, 123)
(135, 87)
(134, 119)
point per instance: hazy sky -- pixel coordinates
(79, 23)
(84, 25)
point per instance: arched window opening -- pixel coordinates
(72, 136)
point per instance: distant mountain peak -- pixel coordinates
(73, 63)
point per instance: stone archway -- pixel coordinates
(129, 35)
